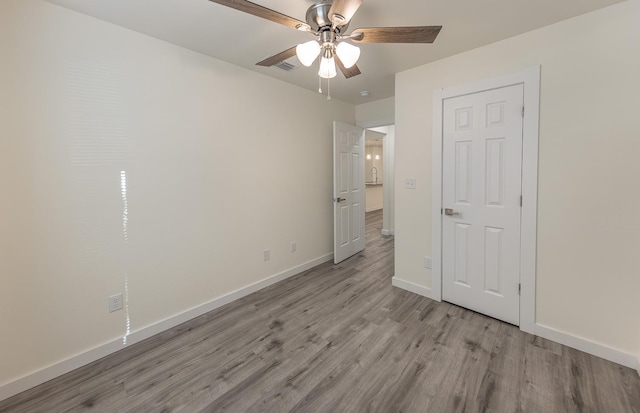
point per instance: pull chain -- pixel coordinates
(319, 85)
(328, 89)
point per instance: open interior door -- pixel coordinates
(348, 190)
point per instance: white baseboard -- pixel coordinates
(55, 370)
(591, 347)
(58, 369)
(414, 288)
(388, 232)
(579, 343)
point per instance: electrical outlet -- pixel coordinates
(115, 302)
(293, 248)
(427, 262)
(410, 183)
(267, 255)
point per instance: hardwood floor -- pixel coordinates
(340, 338)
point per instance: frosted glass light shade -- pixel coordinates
(327, 68)
(307, 52)
(348, 54)
(368, 156)
(377, 156)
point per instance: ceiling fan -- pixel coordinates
(328, 20)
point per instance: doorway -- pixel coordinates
(374, 170)
(469, 186)
(349, 176)
(386, 173)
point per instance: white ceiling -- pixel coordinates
(243, 40)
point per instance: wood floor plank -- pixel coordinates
(340, 338)
(503, 375)
(324, 397)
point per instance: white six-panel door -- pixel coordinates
(348, 190)
(481, 197)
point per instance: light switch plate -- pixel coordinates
(427, 262)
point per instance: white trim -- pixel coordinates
(529, 217)
(373, 209)
(55, 370)
(388, 176)
(388, 232)
(588, 346)
(378, 123)
(530, 79)
(576, 342)
(436, 196)
(414, 288)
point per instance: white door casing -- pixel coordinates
(482, 169)
(530, 79)
(348, 190)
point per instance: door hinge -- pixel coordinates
(441, 211)
(521, 200)
(523, 111)
(519, 289)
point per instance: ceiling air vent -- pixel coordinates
(286, 66)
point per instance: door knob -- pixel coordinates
(450, 212)
(340, 199)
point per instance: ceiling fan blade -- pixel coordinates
(280, 57)
(344, 8)
(350, 72)
(415, 34)
(260, 11)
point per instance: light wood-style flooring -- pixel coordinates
(340, 338)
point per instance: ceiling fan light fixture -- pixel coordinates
(348, 54)
(327, 68)
(308, 52)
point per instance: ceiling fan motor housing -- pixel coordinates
(318, 17)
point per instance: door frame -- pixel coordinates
(530, 79)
